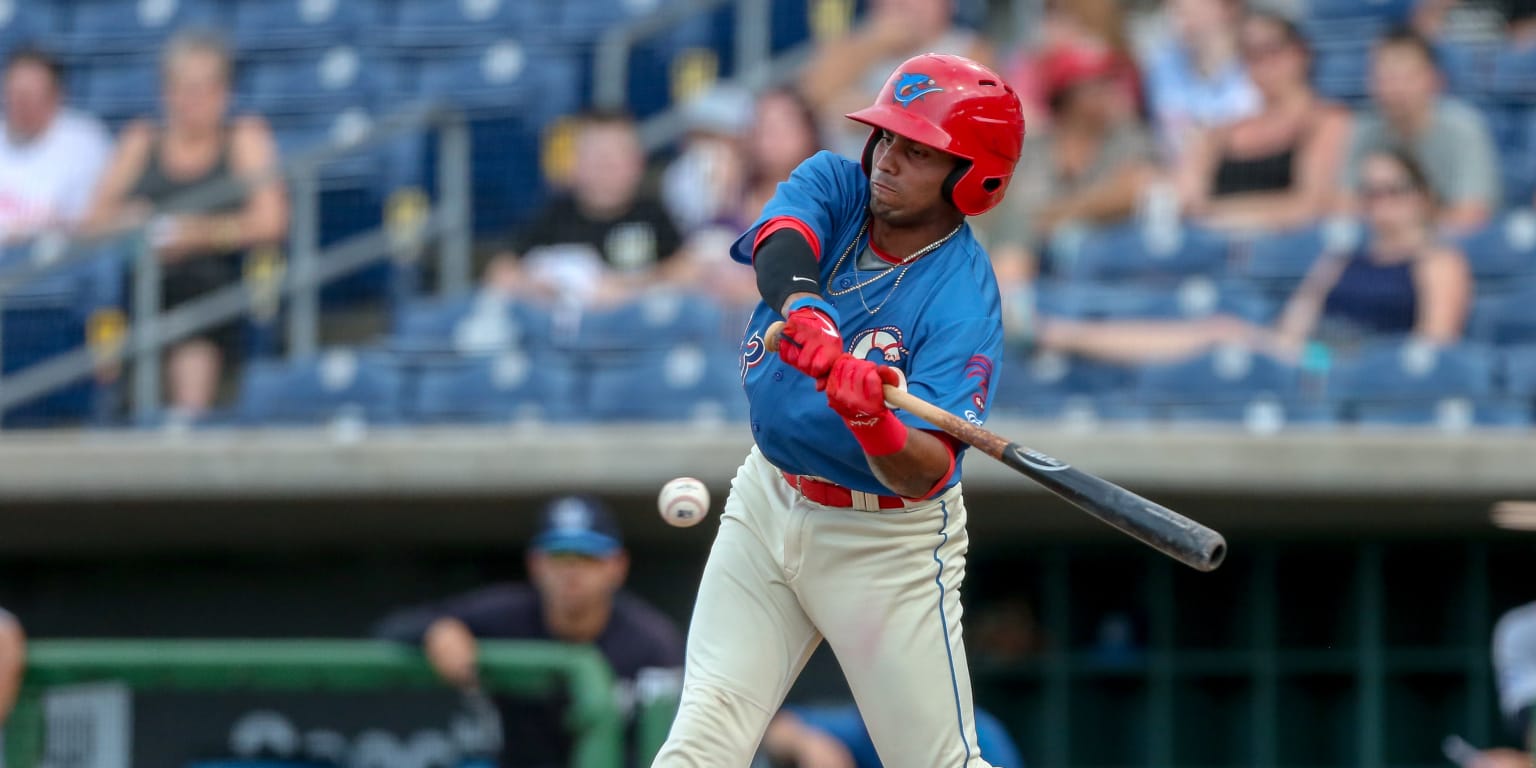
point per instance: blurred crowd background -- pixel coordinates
(1312, 217)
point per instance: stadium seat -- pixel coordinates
(1192, 297)
(1450, 414)
(655, 320)
(300, 134)
(1078, 412)
(431, 23)
(1134, 251)
(1226, 374)
(1506, 317)
(1051, 379)
(339, 385)
(512, 385)
(137, 26)
(505, 76)
(583, 21)
(1506, 248)
(1260, 414)
(29, 22)
(1385, 10)
(267, 25)
(472, 325)
(686, 382)
(118, 87)
(1520, 371)
(1513, 73)
(1414, 371)
(324, 79)
(1343, 73)
(1284, 257)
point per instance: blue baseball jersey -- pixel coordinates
(938, 319)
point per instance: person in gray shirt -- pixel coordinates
(1448, 138)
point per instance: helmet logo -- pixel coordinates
(912, 86)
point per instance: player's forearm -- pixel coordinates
(914, 470)
(13, 658)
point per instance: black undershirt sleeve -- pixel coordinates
(785, 264)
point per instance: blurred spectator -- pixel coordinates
(835, 737)
(1401, 280)
(843, 72)
(1514, 662)
(1520, 15)
(1277, 168)
(51, 155)
(1195, 79)
(1006, 631)
(705, 185)
(13, 664)
(1074, 25)
(1449, 139)
(202, 183)
(577, 565)
(604, 239)
(783, 135)
(1088, 166)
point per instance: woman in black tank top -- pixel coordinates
(1275, 169)
(189, 179)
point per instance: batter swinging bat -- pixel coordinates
(1156, 526)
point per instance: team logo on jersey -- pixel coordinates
(912, 86)
(979, 367)
(886, 340)
(752, 353)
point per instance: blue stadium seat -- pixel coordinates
(116, 88)
(1520, 371)
(1513, 73)
(1506, 317)
(140, 26)
(507, 386)
(503, 76)
(471, 325)
(1450, 414)
(458, 22)
(1225, 374)
(298, 134)
(1050, 379)
(342, 384)
(1467, 67)
(1261, 414)
(1506, 248)
(30, 23)
(1192, 297)
(1343, 73)
(323, 79)
(1284, 257)
(655, 320)
(583, 21)
(1413, 371)
(1386, 10)
(686, 382)
(1078, 412)
(266, 25)
(1131, 250)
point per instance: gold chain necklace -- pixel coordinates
(905, 265)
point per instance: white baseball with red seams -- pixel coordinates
(683, 502)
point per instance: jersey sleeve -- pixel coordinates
(955, 367)
(821, 194)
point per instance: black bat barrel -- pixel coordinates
(1156, 526)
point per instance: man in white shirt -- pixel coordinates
(50, 155)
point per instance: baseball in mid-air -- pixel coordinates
(683, 502)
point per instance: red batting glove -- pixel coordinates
(810, 340)
(856, 390)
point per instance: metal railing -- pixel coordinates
(506, 667)
(309, 268)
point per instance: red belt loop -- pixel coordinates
(834, 495)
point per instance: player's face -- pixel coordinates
(906, 180)
(576, 582)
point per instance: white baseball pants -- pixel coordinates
(883, 588)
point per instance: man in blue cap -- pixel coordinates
(576, 570)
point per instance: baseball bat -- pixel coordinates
(1157, 526)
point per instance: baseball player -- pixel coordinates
(845, 523)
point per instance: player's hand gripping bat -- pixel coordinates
(1156, 526)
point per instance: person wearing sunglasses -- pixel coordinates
(1401, 279)
(1275, 169)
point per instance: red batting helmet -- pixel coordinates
(960, 107)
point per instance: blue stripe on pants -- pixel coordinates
(954, 683)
